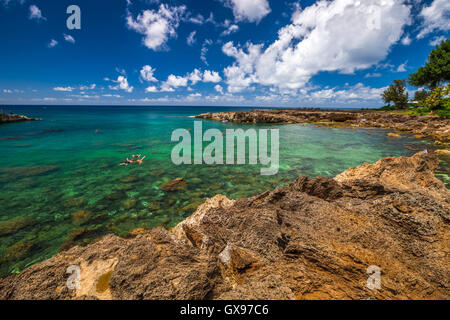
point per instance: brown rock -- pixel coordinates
(80, 217)
(175, 185)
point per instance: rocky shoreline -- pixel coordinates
(8, 118)
(313, 239)
(430, 126)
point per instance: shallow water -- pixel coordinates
(54, 168)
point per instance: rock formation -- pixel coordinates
(7, 118)
(313, 239)
(433, 126)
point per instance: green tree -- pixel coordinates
(420, 96)
(436, 70)
(397, 94)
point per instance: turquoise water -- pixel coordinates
(69, 163)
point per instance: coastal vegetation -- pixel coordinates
(433, 95)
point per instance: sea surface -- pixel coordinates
(61, 183)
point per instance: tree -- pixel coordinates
(436, 70)
(434, 100)
(397, 94)
(420, 96)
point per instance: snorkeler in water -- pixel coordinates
(140, 160)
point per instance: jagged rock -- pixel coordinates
(313, 239)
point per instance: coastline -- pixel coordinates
(313, 239)
(423, 126)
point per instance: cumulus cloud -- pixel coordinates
(435, 17)
(249, 10)
(147, 74)
(218, 88)
(122, 84)
(193, 78)
(36, 14)
(151, 89)
(211, 76)
(341, 35)
(157, 26)
(69, 38)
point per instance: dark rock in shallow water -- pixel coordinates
(17, 252)
(81, 217)
(21, 172)
(81, 237)
(14, 225)
(175, 185)
(130, 179)
(74, 203)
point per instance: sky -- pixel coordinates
(277, 53)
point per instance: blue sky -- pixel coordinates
(339, 53)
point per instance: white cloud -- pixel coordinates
(372, 75)
(64, 89)
(191, 38)
(36, 14)
(249, 10)
(435, 17)
(211, 76)
(204, 50)
(406, 41)
(357, 92)
(437, 40)
(157, 26)
(231, 29)
(53, 43)
(402, 67)
(177, 81)
(147, 74)
(195, 76)
(122, 84)
(91, 87)
(218, 88)
(69, 38)
(151, 89)
(342, 36)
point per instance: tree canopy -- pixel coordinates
(397, 94)
(436, 70)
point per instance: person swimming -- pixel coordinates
(140, 160)
(135, 158)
